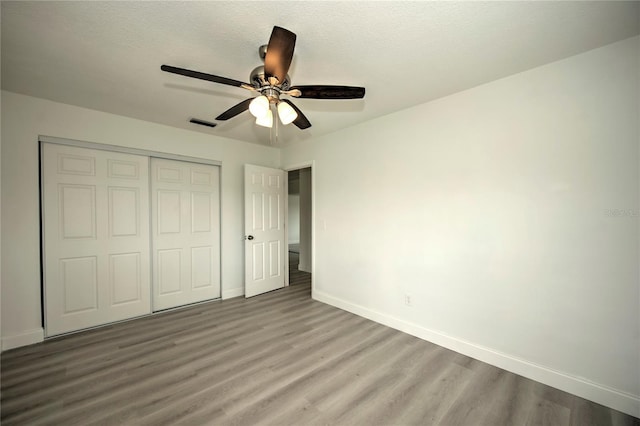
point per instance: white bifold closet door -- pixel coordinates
(185, 203)
(95, 237)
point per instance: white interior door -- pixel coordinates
(264, 229)
(185, 206)
(95, 237)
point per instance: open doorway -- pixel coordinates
(299, 229)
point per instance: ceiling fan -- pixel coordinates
(271, 82)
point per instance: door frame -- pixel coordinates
(127, 150)
(298, 166)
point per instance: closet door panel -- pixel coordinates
(96, 254)
(185, 205)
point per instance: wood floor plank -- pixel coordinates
(427, 395)
(549, 413)
(279, 358)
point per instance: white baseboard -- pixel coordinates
(232, 292)
(618, 400)
(28, 337)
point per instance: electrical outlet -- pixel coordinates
(407, 299)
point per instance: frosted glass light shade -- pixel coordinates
(259, 106)
(266, 120)
(286, 113)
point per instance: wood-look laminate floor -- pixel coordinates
(297, 276)
(280, 358)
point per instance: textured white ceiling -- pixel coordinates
(107, 55)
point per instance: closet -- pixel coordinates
(125, 234)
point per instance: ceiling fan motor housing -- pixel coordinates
(259, 80)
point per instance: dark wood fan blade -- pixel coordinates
(301, 121)
(330, 92)
(235, 110)
(279, 53)
(202, 76)
(202, 122)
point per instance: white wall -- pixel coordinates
(0, 227)
(509, 214)
(24, 119)
(305, 220)
(293, 218)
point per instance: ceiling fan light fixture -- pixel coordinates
(286, 113)
(259, 106)
(266, 120)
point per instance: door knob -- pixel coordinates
(250, 237)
